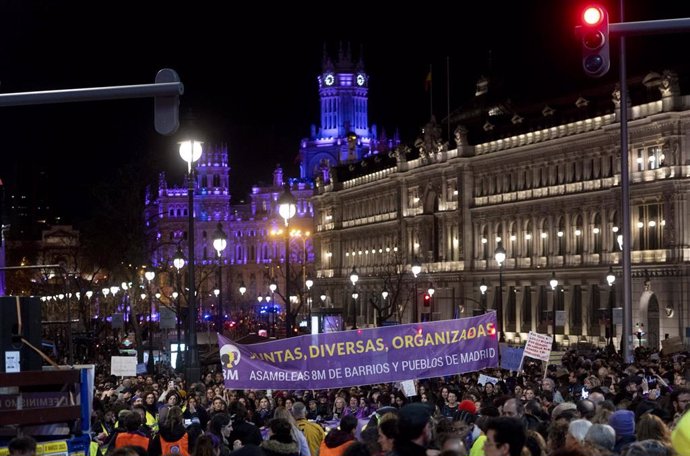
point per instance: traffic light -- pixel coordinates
(427, 300)
(166, 108)
(594, 36)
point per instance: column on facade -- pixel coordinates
(588, 234)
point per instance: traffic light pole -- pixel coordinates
(166, 91)
(624, 29)
(596, 64)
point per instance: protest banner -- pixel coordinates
(363, 357)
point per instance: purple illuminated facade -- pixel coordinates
(255, 252)
(344, 135)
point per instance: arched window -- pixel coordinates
(543, 239)
(596, 234)
(617, 237)
(579, 235)
(527, 311)
(529, 241)
(513, 240)
(560, 234)
(485, 243)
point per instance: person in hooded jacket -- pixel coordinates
(280, 441)
(173, 437)
(337, 440)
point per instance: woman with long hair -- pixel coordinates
(264, 413)
(297, 435)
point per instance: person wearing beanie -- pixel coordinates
(680, 438)
(623, 422)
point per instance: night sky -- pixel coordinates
(250, 78)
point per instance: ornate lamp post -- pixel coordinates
(611, 280)
(416, 270)
(309, 283)
(273, 286)
(500, 257)
(242, 289)
(178, 262)
(190, 151)
(554, 286)
(150, 275)
(354, 277)
(220, 241)
(287, 208)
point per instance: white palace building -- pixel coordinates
(541, 181)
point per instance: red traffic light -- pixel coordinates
(593, 15)
(594, 36)
(427, 299)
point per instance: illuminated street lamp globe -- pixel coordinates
(243, 289)
(554, 281)
(610, 277)
(309, 283)
(190, 151)
(483, 287)
(150, 275)
(354, 277)
(178, 259)
(287, 205)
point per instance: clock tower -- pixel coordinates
(344, 134)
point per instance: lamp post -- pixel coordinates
(554, 286)
(500, 257)
(273, 286)
(416, 269)
(287, 208)
(309, 283)
(220, 241)
(178, 262)
(354, 277)
(242, 290)
(611, 280)
(190, 151)
(150, 275)
(482, 289)
(430, 291)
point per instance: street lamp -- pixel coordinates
(554, 286)
(354, 277)
(416, 270)
(500, 257)
(355, 295)
(430, 291)
(287, 208)
(178, 262)
(190, 151)
(242, 290)
(220, 241)
(482, 290)
(150, 275)
(309, 283)
(611, 280)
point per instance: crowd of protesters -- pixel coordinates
(589, 404)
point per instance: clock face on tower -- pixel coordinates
(329, 80)
(360, 80)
